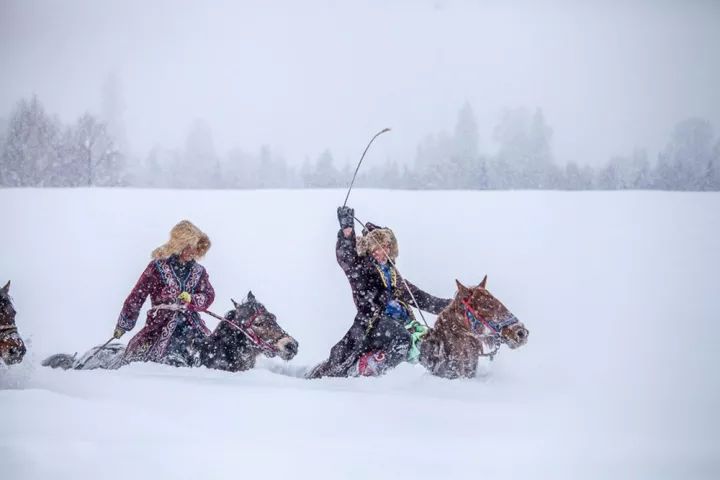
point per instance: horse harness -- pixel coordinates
(7, 331)
(475, 321)
(245, 327)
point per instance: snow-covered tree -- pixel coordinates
(90, 153)
(31, 145)
(578, 178)
(451, 161)
(714, 174)
(524, 149)
(199, 165)
(623, 173)
(686, 162)
(238, 169)
(466, 138)
(156, 170)
(431, 160)
(323, 174)
(112, 112)
(272, 170)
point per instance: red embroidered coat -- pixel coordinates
(162, 284)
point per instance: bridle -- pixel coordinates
(7, 331)
(474, 322)
(246, 327)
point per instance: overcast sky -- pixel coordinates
(302, 76)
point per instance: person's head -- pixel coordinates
(380, 243)
(186, 240)
(380, 253)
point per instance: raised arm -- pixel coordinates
(345, 251)
(345, 248)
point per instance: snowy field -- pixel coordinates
(619, 291)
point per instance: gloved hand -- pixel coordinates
(185, 297)
(416, 329)
(346, 217)
(369, 227)
(119, 332)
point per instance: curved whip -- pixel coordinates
(360, 162)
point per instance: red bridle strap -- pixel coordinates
(247, 330)
(475, 315)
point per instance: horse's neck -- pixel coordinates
(228, 335)
(453, 315)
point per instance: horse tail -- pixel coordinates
(60, 360)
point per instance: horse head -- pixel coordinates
(12, 348)
(485, 316)
(262, 329)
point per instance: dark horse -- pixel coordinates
(241, 336)
(12, 348)
(475, 324)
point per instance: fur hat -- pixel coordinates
(383, 236)
(183, 235)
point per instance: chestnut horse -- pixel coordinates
(243, 334)
(475, 324)
(12, 348)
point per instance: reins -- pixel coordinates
(246, 329)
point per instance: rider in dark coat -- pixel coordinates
(382, 331)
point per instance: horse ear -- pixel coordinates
(250, 296)
(235, 304)
(6, 288)
(462, 289)
(484, 282)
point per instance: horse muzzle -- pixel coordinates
(12, 352)
(517, 336)
(287, 348)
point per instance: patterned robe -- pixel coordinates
(163, 280)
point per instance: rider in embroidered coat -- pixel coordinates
(178, 288)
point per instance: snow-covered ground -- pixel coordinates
(619, 291)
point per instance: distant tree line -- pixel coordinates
(37, 150)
